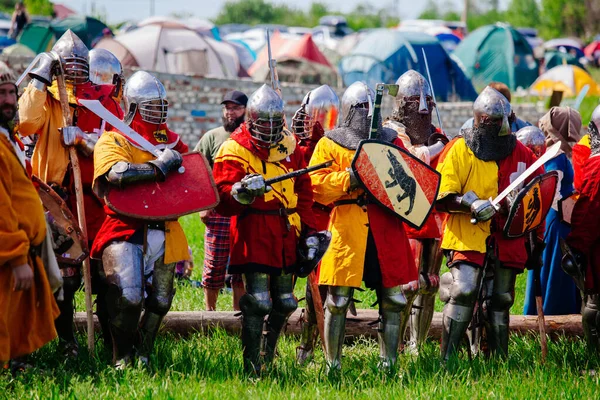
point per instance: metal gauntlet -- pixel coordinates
(123, 173)
(45, 70)
(169, 160)
(73, 136)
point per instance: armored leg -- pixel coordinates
(157, 305)
(309, 326)
(590, 318)
(336, 306)
(391, 303)
(498, 307)
(284, 304)
(458, 289)
(99, 288)
(255, 304)
(421, 312)
(64, 322)
(124, 274)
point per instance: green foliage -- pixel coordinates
(39, 7)
(253, 12)
(523, 13)
(562, 18)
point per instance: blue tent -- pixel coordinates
(383, 55)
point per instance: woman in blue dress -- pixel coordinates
(559, 293)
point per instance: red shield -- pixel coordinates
(566, 206)
(530, 207)
(180, 194)
(71, 247)
(398, 181)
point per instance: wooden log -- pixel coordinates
(364, 324)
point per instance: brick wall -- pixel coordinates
(195, 102)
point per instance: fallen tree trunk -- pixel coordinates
(364, 324)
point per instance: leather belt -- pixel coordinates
(322, 207)
(35, 251)
(282, 212)
(359, 201)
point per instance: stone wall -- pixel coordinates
(195, 102)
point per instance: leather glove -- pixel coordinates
(436, 138)
(46, 68)
(168, 161)
(312, 244)
(481, 210)
(354, 183)
(249, 188)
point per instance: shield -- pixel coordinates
(531, 205)
(401, 183)
(69, 244)
(304, 267)
(566, 206)
(186, 191)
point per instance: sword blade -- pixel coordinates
(432, 91)
(547, 156)
(97, 108)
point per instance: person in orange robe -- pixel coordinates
(27, 306)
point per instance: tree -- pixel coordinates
(39, 7)
(563, 18)
(523, 13)
(431, 11)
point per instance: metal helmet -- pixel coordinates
(74, 56)
(106, 69)
(594, 131)
(358, 95)
(145, 94)
(320, 105)
(413, 87)
(533, 138)
(492, 109)
(265, 117)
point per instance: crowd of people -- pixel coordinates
(265, 232)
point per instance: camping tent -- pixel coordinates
(568, 44)
(556, 58)
(298, 60)
(383, 55)
(173, 50)
(40, 36)
(569, 79)
(497, 53)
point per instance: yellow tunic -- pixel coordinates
(26, 317)
(111, 148)
(462, 171)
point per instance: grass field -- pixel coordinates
(210, 367)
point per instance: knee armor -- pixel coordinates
(338, 299)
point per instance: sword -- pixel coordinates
(547, 156)
(432, 91)
(97, 108)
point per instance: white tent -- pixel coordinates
(175, 50)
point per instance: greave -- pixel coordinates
(497, 332)
(255, 304)
(284, 304)
(590, 318)
(336, 306)
(420, 319)
(122, 342)
(309, 327)
(64, 322)
(148, 329)
(455, 321)
(392, 302)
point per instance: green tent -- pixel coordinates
(554, 58)
(498, 53)
(40, 36)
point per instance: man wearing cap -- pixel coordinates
(216, 234)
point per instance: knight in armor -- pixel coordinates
(40, 114)
(138, 256)
(269, 224)
(476, 168)
(317, 115)
(582, 250)
(411, 119)
(363, 234)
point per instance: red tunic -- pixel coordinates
(261, 242)
(585, 223)
(581, 153)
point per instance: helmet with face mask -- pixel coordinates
(74, 56)
(414, 105)
(594, 131)
(533, 138)
(144, 94)
(491, 139)
(320, 106)
(106, 69)
(265, 117)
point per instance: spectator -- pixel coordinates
(19, 19)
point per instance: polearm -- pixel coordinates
(432, 91)
(539, 303)
(376, 110)
(87, 282)
(273, 68)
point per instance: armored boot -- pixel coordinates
(284, 304)
(255, 304)
(158, 304)
(458, 289)
(122, 346)
(309, 327)
(67, 344)
(502, 298)
(391, 303)
(336, 306)
(590, 318)
(429, 262)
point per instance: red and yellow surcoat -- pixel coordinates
(26, 317)
(581, 153)
(263, 242)
(461, 172)
(40, 113)
(344, 262)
